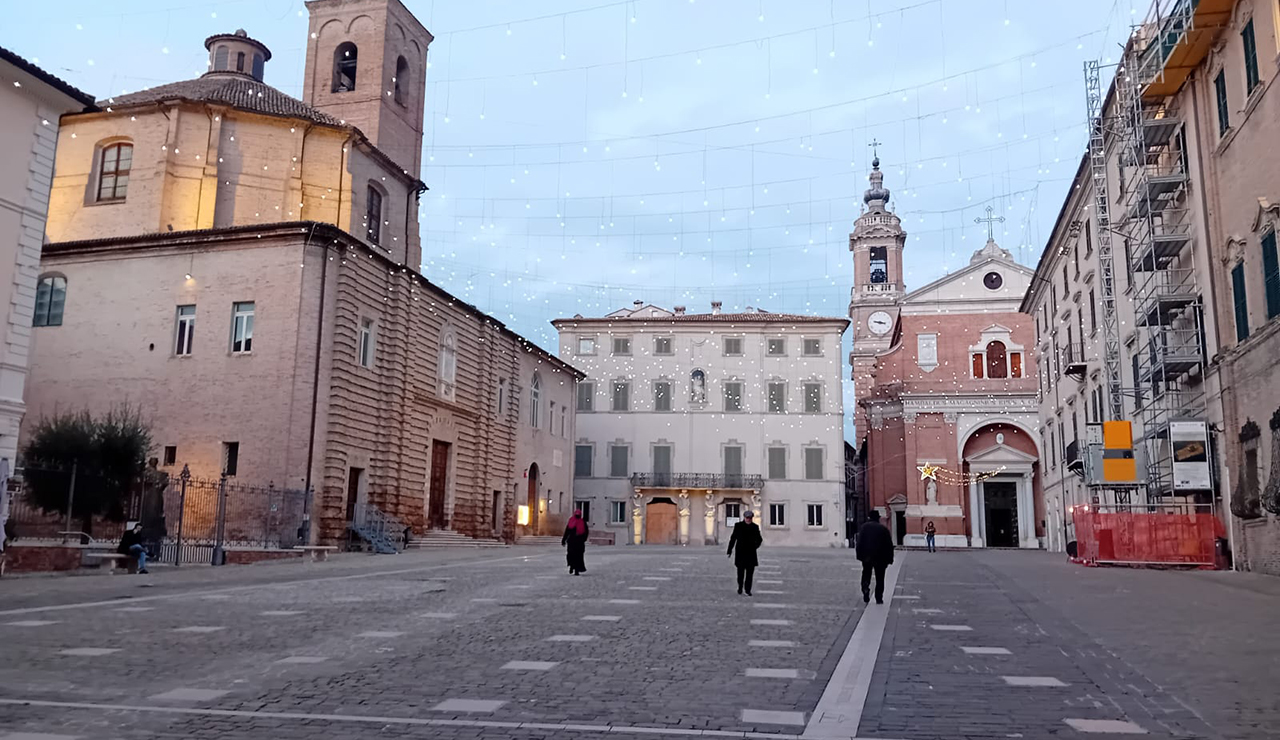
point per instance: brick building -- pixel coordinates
(945, 381)
(243, 266)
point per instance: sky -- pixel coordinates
(585, 154)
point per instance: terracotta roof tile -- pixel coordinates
(236, 91)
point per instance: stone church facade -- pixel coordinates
(243, 266)
(945, 382)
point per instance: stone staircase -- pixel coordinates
(448, 538)
(542, 539)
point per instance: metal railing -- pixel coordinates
(381, 530)
(697, 480)
(879, 287)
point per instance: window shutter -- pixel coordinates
(1271, 274)
(1241, 302)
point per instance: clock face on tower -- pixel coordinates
(879, 323)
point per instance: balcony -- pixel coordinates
(1073, 362)
(1073, 459)
(879, 287)
(708, 481)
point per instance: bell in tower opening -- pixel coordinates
(878, 266)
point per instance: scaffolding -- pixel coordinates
(1152, 217)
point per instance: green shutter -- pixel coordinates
(1250, 57)
(1241, 301)
(1224, 116)
(1271, 274)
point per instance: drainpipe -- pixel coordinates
(315, 377)
(1228, 414)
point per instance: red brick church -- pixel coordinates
(945, 382)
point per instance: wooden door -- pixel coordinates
(439, 484)
(353, 492)
(663, 525)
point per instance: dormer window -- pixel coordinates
(344, 67)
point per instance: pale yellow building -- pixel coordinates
(243, 266)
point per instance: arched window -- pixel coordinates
(257, 66)
(996, 363)
(402, 81)
(51, 298)
(448, 366)
(697, 386)
(220, 59)
(535, 400)
(344, 67)
(113, 171)
(240, 61)
(373, 214)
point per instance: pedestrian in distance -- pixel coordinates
(930, 532)
(746, 537)
(131, 544)
(575, 537)
(875, 550)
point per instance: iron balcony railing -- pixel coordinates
(697, 480)
(879, 287)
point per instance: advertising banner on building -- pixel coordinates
(1190, 443)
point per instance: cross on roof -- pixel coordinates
(875, 144)
(990, 221)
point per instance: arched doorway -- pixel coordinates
(532, 501)
(662, 522)
(1004, 508)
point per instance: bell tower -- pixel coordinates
(876, 242)
(367, 66)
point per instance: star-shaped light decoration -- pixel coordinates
(928, 471)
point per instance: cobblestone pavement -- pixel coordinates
(650, 643)
(1178, 654)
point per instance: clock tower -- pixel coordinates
(876, 242)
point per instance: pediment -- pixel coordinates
(1267, 214)
(1000, 454)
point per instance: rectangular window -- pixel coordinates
(621, 396)
(617, 512)
(1093, 314)
(776, 347)
(812, 347)
(502, 396)
(1088, 237)
(619, 461)
(1241, 301)
(1271, 274)
(1075, 255)
(230, 457)
(813, 398)
(733, 346)
(185, 330)
(551, 417)
(733, 396)
(662, 345)
(242, 327)
(582, 460)
(1053, 456)
(1015, 364)
(813, 463)
(366, 343)
(978, 363)
(1066, 286)
(662, 455)
(813, 515)
(1137, 383)
(732, 513)
(622, 345)
(662, 395)
(777, 463)
(585, 508)
(732, 461)
(51, 299)
(777, 515)
(586, 396)
(1224, 114)
(564, 420)
(586, 345)
(1250, 57)
(373, 215)
(170, 455)
(777, 398)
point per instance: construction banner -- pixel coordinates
(1145, 538)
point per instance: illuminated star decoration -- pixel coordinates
(928, 471)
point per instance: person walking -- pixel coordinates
(930, 532)
(575, 536)
(875, 550)
(131, 544)
(746, 536)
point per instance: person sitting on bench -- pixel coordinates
(131, 544)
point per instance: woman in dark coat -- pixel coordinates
(575, 536)
(746, 535)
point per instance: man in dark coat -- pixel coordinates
(575, 536)
(746, 536)
(875, 550)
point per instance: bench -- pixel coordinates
(319, 553)
(113, 560)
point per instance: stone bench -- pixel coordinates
(112, 560)
(319, 553)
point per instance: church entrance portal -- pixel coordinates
(1000, 507)
(662, 522)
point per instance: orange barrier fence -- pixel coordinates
(1146, 538)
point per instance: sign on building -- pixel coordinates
(1190, 443)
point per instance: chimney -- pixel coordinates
(637, 304)
(679, 310)
(715, 308)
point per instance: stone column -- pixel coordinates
(975, 515)
(1026, 512)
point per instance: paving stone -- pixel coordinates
(776, 673)
(88, 652)
(772, 643)
(302, 659)
(190, 695)
(773, 622)
(1045, 681)
(624, 601)
(571, 638)
(438, 615)
(1110, 726)
(31, 623)
(35, 736)
(601, 618)
(199, 629)
(281, 613)
(951, 627)
(529, 665)
(468, 705)
(986, 650)
(766, 717)
(380, 634)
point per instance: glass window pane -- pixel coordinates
(122, 186)
(813, 463)
(107, 187)
(43, 289)
(777, 463)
